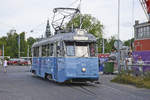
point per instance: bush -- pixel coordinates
(137, 81)
(146, 84)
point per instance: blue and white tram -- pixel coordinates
(66, 57)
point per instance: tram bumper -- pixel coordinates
(82, 77)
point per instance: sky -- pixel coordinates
(27, 15)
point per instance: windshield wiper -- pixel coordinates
(83, 55)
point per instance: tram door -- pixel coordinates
(56, 61)
(58, 50)
(40, 60)
(39, 66)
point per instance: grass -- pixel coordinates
(138, 81)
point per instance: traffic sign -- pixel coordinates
(116, 44)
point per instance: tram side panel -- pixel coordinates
(35, 65)
(43, 66)
(47, 66)
(60, 69)
(63, 69)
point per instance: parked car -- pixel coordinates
(13, 61)
(22, 62)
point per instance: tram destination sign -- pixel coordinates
(80, 38)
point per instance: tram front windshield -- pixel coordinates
(80, 49)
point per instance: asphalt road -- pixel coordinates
(19, 84)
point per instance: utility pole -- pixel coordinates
(103, 46)
(3, 52)
(19, 47)
(118, 36)
(28, 52)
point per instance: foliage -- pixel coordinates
(129, 43)
(11, 45)
(89, 23)
(30, 41)
(11, 41)
(23, 45)
(93, 26)
(138, 81)
(110, 44)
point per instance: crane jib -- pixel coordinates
(148, 6)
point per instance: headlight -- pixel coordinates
(83, 69)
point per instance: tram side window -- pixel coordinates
(61, 49)
(44, 50)
(70, 49)
(51, 49)
(36, 51)
(47, 50)
(92, 49)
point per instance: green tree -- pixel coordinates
(90, 24)
(109, 44)
(30, 42)
(23, 45)
(129, 43)
(12, 45)
(3, 41)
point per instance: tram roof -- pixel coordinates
(70, 36)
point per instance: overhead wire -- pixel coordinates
(73, 3)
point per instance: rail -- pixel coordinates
(137, 65)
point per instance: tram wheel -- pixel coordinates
(49, 77)
(33, 72)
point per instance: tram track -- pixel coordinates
(83, 89)
(88, 90)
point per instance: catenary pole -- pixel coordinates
(3, 51)
(118, 37)
(28, 52)
(19, 47)
(103, 46)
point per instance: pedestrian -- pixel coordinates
(1, 65)
(0, 62)
(5, 65)
(129, 61)
(140, 62)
